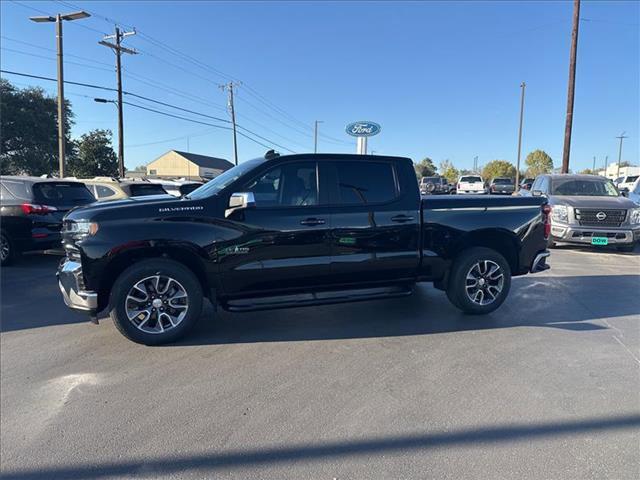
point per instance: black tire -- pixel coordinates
(626, 248)
(164, 268)
(8, 252)
(462, 266)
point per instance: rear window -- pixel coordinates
(375, 183)
(503, 181)
(470, 179)
(62, 194)
(434, 180)
(632, 179)
(142, 189)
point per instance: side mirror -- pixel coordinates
(537, 193)
(240, 201)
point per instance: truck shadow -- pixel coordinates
(568, 303)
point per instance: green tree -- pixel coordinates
(29, 139)
(498, 168)
(538, 162)
(426, 168)
(95, 156)
(587, 171)
(140, 169)
(448, 171)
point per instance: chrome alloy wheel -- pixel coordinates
(484, 282)
(156, 304)
(5, 248)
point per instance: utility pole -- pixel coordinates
(606, 160)
(118, 49)
(571, 88)
(232, 110)
(315, 136)
(61, 113)
(621, 137)
(593, 170)
(522, 87)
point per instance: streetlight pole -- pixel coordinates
(61, 113)
(522, 87)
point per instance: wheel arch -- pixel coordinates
(502, 241)
(182, 254)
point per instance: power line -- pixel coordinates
(142, 97)
(35, 55)
(53, 50)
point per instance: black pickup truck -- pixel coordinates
(290, 231)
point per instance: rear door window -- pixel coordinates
(62, 194)
(361, 183)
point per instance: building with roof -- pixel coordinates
(176, 164)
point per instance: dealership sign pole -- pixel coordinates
(362, 131)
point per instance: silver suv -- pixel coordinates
(587, 209)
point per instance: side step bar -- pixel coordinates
(316, 298)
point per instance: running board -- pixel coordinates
(316, 298)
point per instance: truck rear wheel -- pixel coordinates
(8, 252)
(479, 281)
(155, 301)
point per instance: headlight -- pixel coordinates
(82, 229)
(560, 213)
(634, 216)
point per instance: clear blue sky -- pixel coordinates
(442, 78)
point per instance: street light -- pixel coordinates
(58, 21)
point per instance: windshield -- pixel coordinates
(471, 179)
(503, 181)
(588, 188)
(224, 179)
(631, 179)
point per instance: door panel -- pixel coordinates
(284, 242)
(371, 242)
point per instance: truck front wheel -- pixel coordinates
(155, 301)
(479, 281)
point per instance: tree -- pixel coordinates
(95, 156)
(538, 162)
(498, 168)
(29, 126)
(425, 168)
(587, 171)
(448, 171)
(140, 169)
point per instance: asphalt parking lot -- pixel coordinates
(548, 386)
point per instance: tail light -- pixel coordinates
(493, 188)
(31, 209)
(546, 216)
(458, 187)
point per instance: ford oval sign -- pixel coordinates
(363, 129)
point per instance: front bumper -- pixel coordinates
(582, 235)
(71, 285)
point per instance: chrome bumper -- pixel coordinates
(583, 235)
(540, 262)
(71, 285)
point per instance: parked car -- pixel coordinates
(587, 209)
(291, 231)
(626, 183)
(525, 185)
(110, 189)
(471, 184)
(634, 192)
(502, 186)
(31, 211)
(434, 185)
(177, 188)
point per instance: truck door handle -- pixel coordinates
(310, 222)
(401, 218)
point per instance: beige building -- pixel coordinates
(176, 164)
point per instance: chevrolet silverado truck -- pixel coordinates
(291, 231)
